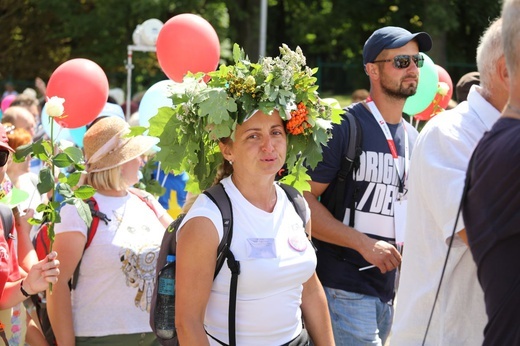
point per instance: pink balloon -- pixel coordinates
(187, 42)
(6, 102)
(445, 77)
(84, 86)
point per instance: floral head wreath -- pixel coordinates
(202, 113)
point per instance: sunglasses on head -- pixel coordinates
(4, 155)
(403, 61)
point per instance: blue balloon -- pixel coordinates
(60, 133)
(157, 96)
(76, 135)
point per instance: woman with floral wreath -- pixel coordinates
(249, 120)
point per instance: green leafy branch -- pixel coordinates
(48, 183)
(58, 158)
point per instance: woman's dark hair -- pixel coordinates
(225, 169)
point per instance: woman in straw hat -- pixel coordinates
(110, 304)
(250, 119)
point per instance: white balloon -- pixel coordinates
(150, 30)
(157, 96)
(136, 35)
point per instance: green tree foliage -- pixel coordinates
(40, 35)
(37, 35)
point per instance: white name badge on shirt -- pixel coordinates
(400, 207)
(261, 248)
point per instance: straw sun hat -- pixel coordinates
(106, 147)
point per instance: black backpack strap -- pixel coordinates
(336, 204)
(7, 221)
(297, 200)
(219, 196)
(234, 266)
(354, 144)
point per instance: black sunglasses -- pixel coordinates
(4, 155)
(403, 61)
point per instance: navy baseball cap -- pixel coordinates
(393, 37)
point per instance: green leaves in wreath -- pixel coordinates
(217, 107)
(203, 113)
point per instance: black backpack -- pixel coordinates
(337, 203)
(6, 215)
(219, 196)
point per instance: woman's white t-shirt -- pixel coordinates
(271, 270)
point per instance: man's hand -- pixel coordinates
(381, 254)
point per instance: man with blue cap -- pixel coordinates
(357, 250)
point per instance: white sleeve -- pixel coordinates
(443, 160)
(70, 221)
(204, 207)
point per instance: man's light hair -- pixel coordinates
(511, 33)
(489, 50)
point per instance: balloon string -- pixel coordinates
(159, 174)
(59, 131)
(164, 179)
(32, 196)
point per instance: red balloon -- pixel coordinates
(84, 86)
(431, 110)
(439, 102)
(185, 43)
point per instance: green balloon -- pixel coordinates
(14, 197)
(426, 89)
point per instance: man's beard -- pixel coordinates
(399, 93)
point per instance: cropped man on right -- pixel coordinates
(491, 208)
(437, 173)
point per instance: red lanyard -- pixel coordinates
(391, 144)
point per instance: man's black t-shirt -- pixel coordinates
(491, 214)
(377, 184)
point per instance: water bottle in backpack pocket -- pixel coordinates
(165, 308)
